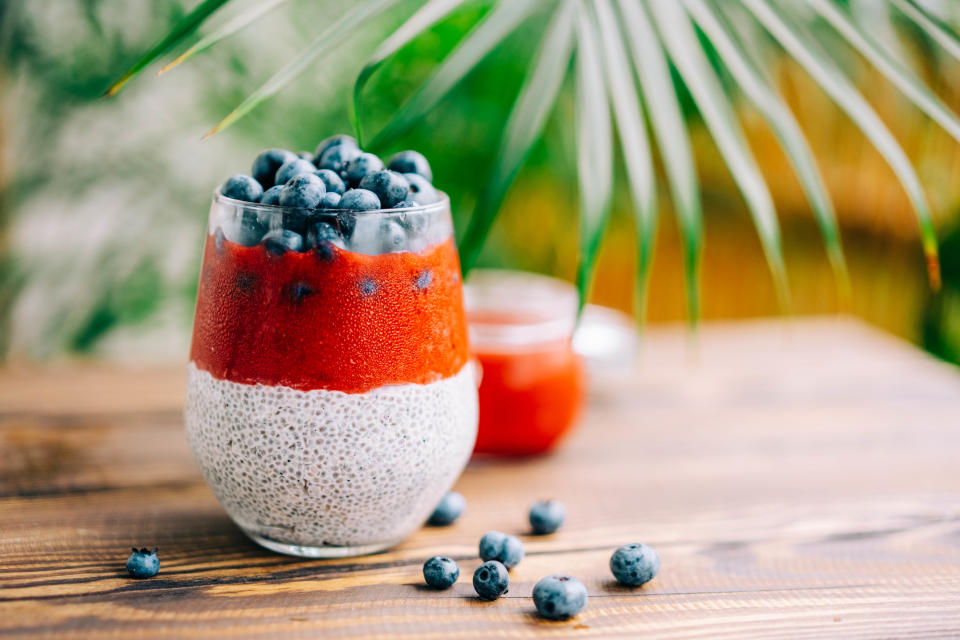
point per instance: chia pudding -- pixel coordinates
(330, 397)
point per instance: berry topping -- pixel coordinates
(271, 195)
(390, 187)
(330, 200)
(336, 158)
(266, 164)
(335, 141)
(360, 167)
(241, 187)
(411, 162)
(304, 191)
(359, 200)
(331, 181)
(421, 191)
(292, 168)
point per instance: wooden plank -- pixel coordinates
(797, 483)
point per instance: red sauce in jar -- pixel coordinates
(330, 319)
(530, 394)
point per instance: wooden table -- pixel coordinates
(799, 481)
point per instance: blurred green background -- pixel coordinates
(103, 201)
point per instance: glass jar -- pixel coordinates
(532, 382)
(330, 398)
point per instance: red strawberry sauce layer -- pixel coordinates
(333, 320)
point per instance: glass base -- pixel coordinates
(324, 551)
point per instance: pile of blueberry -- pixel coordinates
(314, 188)
(556, 597)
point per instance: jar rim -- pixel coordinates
(531, 309)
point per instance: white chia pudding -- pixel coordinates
(326, 469)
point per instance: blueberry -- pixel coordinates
(360, 167)
(246, 228)
(335, 141)
(266, 164)
(559, 597)
(329, 200)
(411, 162)
(440, 572)
(305, 155)
(406, 204)
(546, 516)
(424, 279)
(359, 200)
(421, 191)
(337, 157)
(491, 580)
(450, 508)
(331, 181)
(634, 564)
(281, 240)
(143, 563)
(292, 168)
(241, 187)
(323, 237)
(271, 195)
(393, 238)
(495, 545)
(389, 186)
(303, 191)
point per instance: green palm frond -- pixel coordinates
(624, 51)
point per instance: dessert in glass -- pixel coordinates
(531, 382)
(330, 398)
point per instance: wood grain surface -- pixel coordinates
(798, 480)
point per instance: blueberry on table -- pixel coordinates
(329, 200)
(360, 167)
(491, 580)
(304, 191)
(451, 506)
(359, 200)
(440, 572)
(546, 516)
(292, 168)
(266, 164)
(421, 191)
(559, 597)
(337, 157)
(280, 241)
(390, 187)
(634, 564)
(335, 141)
(143, 563)
(411, 162)
(495, 545)
(271, 195)
(331, 181)
(241, 187)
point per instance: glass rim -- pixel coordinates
(442, 203)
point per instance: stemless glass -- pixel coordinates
(330, 397)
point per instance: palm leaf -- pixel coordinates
(832, 80)
(524, 125)
(594, 149)
(633, 143)
(187, 25)
(680, 40)
(894, 71)
(428, 15)
(494, 27)
(673, 140)
(227, 29)
(331, 37)
(758, 89)
(937, 31)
